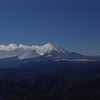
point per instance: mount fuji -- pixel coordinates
(47, 51)
(50, 51)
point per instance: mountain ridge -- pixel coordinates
(47, 51)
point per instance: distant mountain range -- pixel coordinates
(47, 51)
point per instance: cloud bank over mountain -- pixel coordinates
(39, 49)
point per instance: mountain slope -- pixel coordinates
(52, 51)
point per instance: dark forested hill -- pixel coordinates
(51, 80)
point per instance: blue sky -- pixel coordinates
(72, 24)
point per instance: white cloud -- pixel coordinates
(9, 47)
(12, 47)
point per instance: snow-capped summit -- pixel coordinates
(49, 47)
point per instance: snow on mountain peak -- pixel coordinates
(47, 48)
